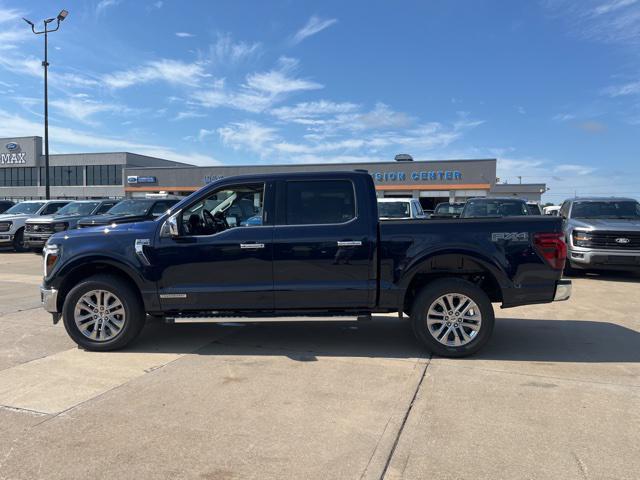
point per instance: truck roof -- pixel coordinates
(602, 199)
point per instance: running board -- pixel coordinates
(266, 319)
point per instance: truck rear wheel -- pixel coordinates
(103, 313)
(452, 317)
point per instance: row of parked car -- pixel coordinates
(600, 233)
(399, 208)
(28, 225)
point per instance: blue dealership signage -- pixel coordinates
(417, 176)
(134, 179)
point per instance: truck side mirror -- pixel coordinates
(170, 227)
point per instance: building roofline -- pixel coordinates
(354, 164)
(28, 136)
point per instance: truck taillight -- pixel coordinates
(552, 248)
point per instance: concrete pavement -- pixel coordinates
(556, 394)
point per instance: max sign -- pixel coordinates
(13, 158)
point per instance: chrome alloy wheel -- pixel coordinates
(454, 319)
(99, 315)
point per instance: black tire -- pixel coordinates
(571, 270)
(134, 312)
(433, 291)
(18, 241)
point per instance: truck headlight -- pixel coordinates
(51, 255)
(581, 239)
(60, 227)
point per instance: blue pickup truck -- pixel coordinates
(318, 251)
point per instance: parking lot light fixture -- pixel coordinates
(61, 16)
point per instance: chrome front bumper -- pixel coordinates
(6, 238)
(563, 290)
(49, 299)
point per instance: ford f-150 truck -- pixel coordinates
(319, 251)
(602, 233)
(12, 222)
(38, 229)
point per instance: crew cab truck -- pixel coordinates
(38, 229)
(602, 233)
(13, 221)
(319, 251)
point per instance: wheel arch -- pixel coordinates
(84, 268)
(463, 264)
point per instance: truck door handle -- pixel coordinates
(349, 243)
(251, 246)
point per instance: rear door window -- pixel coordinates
(319, 202)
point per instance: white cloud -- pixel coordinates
(15, 126)
(314, 25)
(260, 90)
(104, 4)
(632, 88)
(564, 117)
(228, 52)
(9, 15)
(574, 169)
(248, 135)
(310, 112)
(174, 72)
(611, 21)
(612, 6)
(204, 133)
(79, 108)
(188, 114)
(184, 35)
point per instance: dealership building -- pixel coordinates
(93, 175)
(75, 175)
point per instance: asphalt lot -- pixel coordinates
(556, 394)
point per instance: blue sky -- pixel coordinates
(551, 88)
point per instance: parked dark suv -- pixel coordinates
(38, 229)
(129, 211)
(602, 233)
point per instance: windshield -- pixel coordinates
(25, 208)
(131, 207)
(494, 208)
(78, 208)
(448, 209)
(394, 209)
(606, 209)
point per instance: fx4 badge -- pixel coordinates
(512, 236)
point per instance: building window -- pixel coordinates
(104, 175)
(18, 177)
(62, 176)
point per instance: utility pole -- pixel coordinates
(61, 16)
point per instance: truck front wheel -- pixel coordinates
(103, 313)
(452, 317)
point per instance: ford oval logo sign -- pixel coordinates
(11, 146)
(622, 240)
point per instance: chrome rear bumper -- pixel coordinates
(563, 290)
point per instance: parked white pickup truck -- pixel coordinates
(12, 222)
(400, 208)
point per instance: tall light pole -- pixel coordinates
(61, 16)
